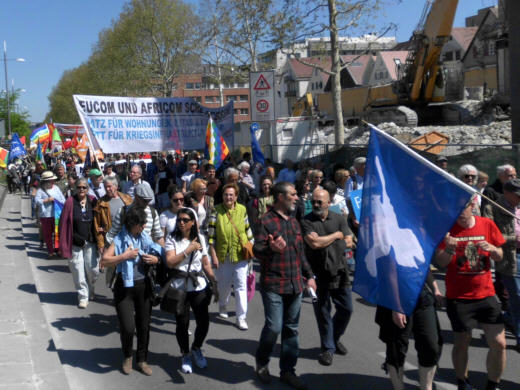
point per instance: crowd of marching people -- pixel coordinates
(176, 231)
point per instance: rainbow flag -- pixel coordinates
(58, 207)
(39, 155)
(216, 148)
(40, 134)
(4, 157)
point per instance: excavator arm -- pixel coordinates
(432, 32)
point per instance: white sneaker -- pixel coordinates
(83, 304)
(198, 358)
(186, 364)
(242, 324)
(222, 312)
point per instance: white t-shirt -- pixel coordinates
(167, 219)
(188, 177)
(196, 263)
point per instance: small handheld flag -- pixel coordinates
(258, 156)
(17, 148)
(216, 148)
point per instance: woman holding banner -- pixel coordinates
(44, 199)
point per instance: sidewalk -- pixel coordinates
(28, 358)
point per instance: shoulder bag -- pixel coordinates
(173, 300)
(247, 247)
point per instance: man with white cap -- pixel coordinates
(189, 175)
(143, 194)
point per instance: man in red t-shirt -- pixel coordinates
(467, 251)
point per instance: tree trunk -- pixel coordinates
(339, 132)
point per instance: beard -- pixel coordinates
(318, 212)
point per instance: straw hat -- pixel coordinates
(47, 175)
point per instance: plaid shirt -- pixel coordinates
(281, 273)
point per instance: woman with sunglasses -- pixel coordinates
(168, 217)
(78, 242)
(132, 252)
(187, 255)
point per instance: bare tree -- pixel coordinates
(300, 19)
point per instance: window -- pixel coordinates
(209, 99)
(241, 85)
(321, 84)
(235, 111)
(312, 86)
(243, 98)
(458, 55)
(197, 85)
(287, 132)
(491, 48)
(198, 99)
(189, 85)
(448, 56)
(244, 111)
(230, 97)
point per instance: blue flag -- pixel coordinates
(17, 148)
(258, 156)
(408, 206)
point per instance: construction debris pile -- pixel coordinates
(483, 129)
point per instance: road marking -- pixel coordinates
(440, 384)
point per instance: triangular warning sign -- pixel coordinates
(261, 83)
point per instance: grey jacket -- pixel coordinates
(506, 225)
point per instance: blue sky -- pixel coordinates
(56, 35)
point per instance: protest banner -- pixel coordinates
(127, 125)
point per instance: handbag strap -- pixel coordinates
(236, 230)
(167, 284)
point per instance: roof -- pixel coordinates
(358, 66)
(464, 36)
(389, 57)
(302, 71)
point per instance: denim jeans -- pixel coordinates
(282, 315)
(332, 328)
(512, 284)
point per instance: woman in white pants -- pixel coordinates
(78, 243)
(228, 231)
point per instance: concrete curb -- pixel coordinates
(29, 359)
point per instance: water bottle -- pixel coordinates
(312, 294)
(351, 263)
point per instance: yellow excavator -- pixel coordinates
(420, 80)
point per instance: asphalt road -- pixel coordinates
(88, 346)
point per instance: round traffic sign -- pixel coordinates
(262, 105)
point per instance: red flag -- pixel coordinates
(67, 144)
(75, 141)
(22, 140)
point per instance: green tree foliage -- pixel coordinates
(150, 43)
(19, 119)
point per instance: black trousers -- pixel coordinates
(426, 331)
(134, 308)
(199, 302)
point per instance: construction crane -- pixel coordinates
(420, 80)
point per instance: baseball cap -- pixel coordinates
(95, 172)
(441, 158)
(191, 162)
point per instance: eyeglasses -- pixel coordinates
(470, 176)
(81, 187)
(184, 220)
(318, 202)
(178, 200)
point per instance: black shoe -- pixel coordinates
(464, 385)
(325, 358)
(292, 380)
(341, 349)
(263, 375)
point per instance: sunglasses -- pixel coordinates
(318, 202)
(470, 176)
(81, 187)
(178, 200)
(184, 220)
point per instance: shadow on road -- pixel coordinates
(94, 324)
(54, 268)
(478, 379)
(98, 360)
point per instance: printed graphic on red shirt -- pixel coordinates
(469, 273)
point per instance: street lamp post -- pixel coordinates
(7, 87)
